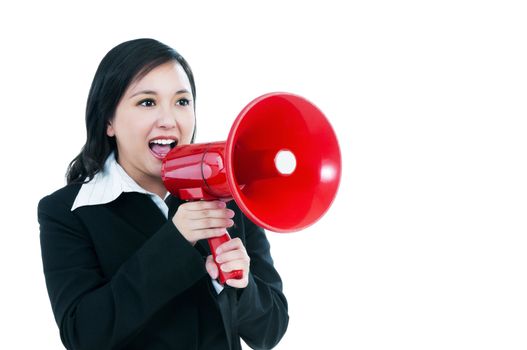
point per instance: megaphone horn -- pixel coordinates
(281, 163)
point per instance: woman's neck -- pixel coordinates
(156, 187)
(153, 184)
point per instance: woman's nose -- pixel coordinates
(166, 120)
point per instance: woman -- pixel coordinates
(127, 266)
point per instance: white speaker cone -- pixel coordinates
(285, 162)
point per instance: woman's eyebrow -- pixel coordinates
(182, 91)
(146, 92)
(152, 92)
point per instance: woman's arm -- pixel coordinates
(94, 312)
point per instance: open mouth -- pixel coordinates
(161, 147)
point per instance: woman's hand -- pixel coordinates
(202, 219)
(230, 256)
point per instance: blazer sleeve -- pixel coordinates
(94, 312)
(262, 307)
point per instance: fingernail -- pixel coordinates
(221, 204)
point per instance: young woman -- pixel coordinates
(127, 266)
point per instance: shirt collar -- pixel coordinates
(107, 185)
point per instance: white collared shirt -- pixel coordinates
(108, 184)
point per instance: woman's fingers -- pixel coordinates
(212, 270)
(211, 267)
(234, 265)
(209, 223)
(202, 205)
(238, 283)
(202, 219)
(231, 255)
(235, 243)
(210, 213)
(206, 210)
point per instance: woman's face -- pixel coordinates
(155, 114)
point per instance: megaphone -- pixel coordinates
(281, 164)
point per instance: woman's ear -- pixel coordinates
(109, 130)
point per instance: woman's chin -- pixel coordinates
(154, 168)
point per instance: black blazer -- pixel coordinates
(121, 276)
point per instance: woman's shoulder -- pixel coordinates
(61, 198)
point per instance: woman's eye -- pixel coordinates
(183, 102)
(147, 103)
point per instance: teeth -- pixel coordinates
(163, 141)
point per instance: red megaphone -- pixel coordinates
(281, 164)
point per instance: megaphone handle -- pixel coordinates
(223, 276)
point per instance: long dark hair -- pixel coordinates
(122, 65)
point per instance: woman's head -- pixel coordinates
(135, 66)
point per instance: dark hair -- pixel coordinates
(121, 66)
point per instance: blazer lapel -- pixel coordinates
(173, 203)
(139, 211)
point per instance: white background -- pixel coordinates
(425, 245)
